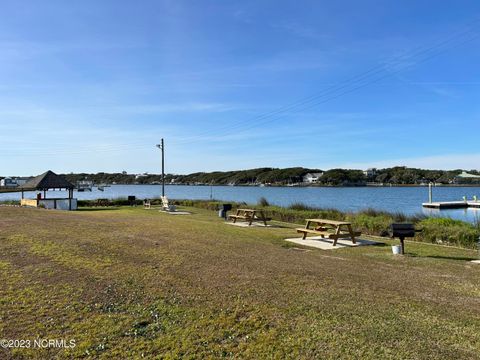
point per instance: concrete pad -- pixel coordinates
(327, 244)
(245, 224)
(176, 212)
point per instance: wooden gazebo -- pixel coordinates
(49, 181)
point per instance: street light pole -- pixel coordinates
(161, 146)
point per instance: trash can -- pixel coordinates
(132, 200)
(224, 208)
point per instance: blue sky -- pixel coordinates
(93, 85)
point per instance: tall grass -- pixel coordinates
(10, 202)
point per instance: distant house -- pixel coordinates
(13, 182)
(7, 182)
(466, 178)
(371, 172)
(312, 178)
(138, 176)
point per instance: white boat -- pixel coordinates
(84, 185)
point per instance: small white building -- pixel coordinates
(312, 178)
(138, 176)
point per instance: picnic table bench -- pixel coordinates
(329, 229)
(249, 215)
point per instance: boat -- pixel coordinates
(84, 185)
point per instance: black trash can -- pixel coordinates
(224, 208)
(132, 200)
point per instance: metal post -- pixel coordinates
(478, 245)
(163, 169)
(430, 192)
(161, 146)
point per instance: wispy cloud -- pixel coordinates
(438, 88)
(29, 49)
(299, 29)
(445, 162)
(175, 108)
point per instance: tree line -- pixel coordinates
(399, 175)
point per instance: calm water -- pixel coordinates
(404, 199)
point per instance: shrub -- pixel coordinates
(372, 225)
(10, 202)
(448, 231)
(300, 207)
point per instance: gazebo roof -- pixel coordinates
(48, 180)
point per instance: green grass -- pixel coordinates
(128, 282)
(369, 221)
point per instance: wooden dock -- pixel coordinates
(7, 190)
(452, 204)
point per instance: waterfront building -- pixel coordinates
(312, 178)
(371, 172)
(466, 178)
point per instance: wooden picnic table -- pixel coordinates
(330, 229)
(249, 215)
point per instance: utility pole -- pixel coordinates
(161, 146)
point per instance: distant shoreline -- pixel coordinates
(13, 190)
(315, 186)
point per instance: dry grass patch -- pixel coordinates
(131, 282)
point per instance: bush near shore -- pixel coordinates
(435, 230)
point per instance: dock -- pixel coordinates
(8, 190)
(452, 204)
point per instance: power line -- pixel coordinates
(352, 84)
(329, 93)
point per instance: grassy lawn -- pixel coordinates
(127, 283)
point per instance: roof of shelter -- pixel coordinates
(47, 180)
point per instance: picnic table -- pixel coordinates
(330, 229)
(249, 215)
